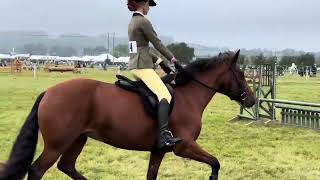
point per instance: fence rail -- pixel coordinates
(296, 113)
(263, 79)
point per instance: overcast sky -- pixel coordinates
(232, 23)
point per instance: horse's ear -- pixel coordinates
(236, 57)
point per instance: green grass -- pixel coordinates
(245, 152)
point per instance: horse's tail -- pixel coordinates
(23, 150)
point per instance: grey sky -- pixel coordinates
(232, 23)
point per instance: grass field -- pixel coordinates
(254, 152)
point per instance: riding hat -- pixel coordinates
(151, 2)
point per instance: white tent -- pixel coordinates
(22, 55)
(9, 56)
(100, 58)
(122, 60)
(103, 57)
(41, 57)
(73, 58)
(6, 56)
(57, 58)
(89, 58)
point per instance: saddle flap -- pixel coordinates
(149, 99)
(120, 77)
(127, 84)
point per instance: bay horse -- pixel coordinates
(70, 112)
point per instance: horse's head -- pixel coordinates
(232, 82)
(221, 74)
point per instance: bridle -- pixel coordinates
(243, 95)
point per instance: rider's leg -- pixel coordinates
(165, 136)
(155, 84)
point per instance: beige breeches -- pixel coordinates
(154, 83)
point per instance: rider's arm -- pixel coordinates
(152, 36)
(165, 67)
(163, 64)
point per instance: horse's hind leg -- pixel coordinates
(43, 163)
(68, 159)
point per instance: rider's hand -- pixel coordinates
(178, 66)
(174, 60)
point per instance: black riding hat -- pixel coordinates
(151, 2)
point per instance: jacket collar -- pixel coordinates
(138, 13)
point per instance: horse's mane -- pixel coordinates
(200, 65)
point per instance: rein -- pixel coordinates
(201, 83)
(243, 96)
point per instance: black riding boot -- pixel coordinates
(165, 138)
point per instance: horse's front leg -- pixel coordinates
(192, 150)
(154, 164)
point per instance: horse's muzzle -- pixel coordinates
(249, 101)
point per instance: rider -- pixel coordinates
(142, 62)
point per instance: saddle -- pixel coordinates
(149, 99)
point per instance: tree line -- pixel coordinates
(67, 51)
(181, 51)
(307, 59)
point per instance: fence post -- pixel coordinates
(34, 71)
(273, 90)
(257, 105)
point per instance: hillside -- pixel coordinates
(18, 39)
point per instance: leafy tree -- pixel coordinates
(258, 60)
(271, 60)
(94, 51)
(307, 59)
(241, 59)
(182, 52)
(318, 61)
(246, 61)
(99, 50)
(288, 60)
(121, 50)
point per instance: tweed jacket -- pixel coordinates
(141, 32)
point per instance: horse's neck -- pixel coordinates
(196, 94)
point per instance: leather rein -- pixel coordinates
(243, 95)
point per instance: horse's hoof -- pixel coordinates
(213, 177)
